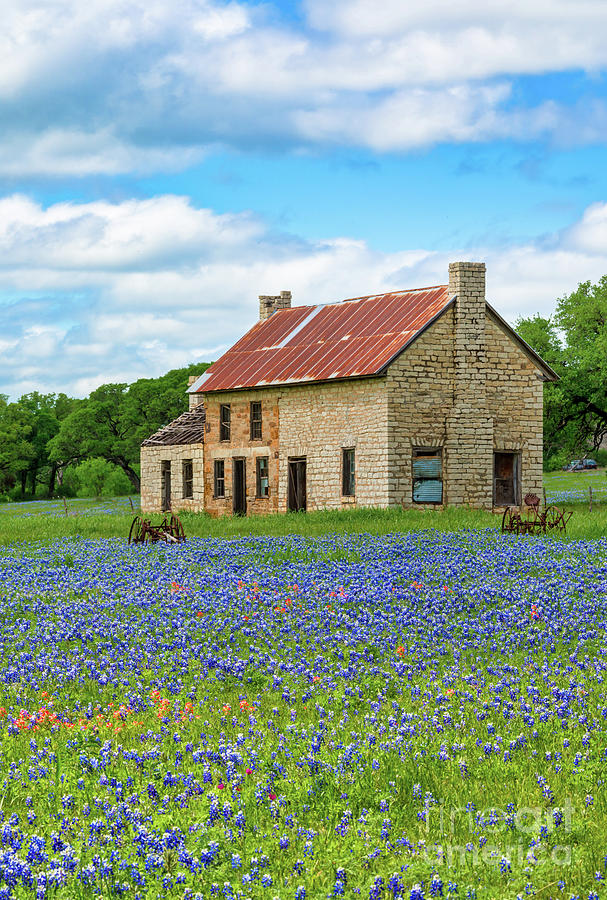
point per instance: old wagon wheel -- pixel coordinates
(134, 535)
(176, 528)
(555, 519)
(511, 521)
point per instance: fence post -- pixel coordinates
(65, 505)
(590, 492)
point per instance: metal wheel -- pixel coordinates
(134, 530)
(176, 528)
(554, 519)
(510, 521)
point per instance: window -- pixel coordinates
(427, 476)
(347, 472)
(219, 478)
(224, 422)
(187, 472)
(256, 420)
(263, 481)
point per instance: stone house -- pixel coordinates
(413, 398)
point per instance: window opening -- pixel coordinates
(263, 482)
(219, 481)
(348, 484)
(188, 479)
(224, 422)
(255, 414)
(427, 476)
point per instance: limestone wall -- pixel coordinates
(151, 493)
(318, 421)
(420, 386)
(430, 406)
(240, 445)
(515, 402)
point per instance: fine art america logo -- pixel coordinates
(523, 835)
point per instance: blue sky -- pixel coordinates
(162, 163)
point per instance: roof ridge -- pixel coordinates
(432, 287)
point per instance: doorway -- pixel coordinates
(297, 485)
(239, 487)
(165, 482)
(506, 479)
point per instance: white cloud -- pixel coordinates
(135, 288)
(113, 86)
(73, 153)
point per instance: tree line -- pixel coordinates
(573, 342)
(54, 445)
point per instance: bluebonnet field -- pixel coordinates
(410, 716)
(76, 506)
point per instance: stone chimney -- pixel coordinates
(467, 282)
(194, 400)
(469, 427)
(268, 305)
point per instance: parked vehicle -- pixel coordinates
(580, 465)
(575, 465)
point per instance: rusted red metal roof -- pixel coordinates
(350, 339)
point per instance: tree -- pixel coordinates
(574, 343)
(115, 418)
(47, 411)
(16, 426)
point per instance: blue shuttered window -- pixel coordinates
(427, 476)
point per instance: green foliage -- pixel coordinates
(96, 477)
(45, 437)
(116, 418)
(574, 343)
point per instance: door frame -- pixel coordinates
(239, 486)
(297, 499)
(516, 476)
(165, 484)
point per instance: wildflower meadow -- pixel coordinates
(399, 716)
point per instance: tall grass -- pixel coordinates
(83, 521)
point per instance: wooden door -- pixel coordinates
(165, 478)
(297, 485)
(239, 487)
(506, 479)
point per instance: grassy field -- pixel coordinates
(572, 487)
(369, 704)
(47, 520)
(405, 716)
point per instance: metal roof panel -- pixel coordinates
(317, 343)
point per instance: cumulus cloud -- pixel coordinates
(99, 292)
(110, 86)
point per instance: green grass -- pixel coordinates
(30, 522)
(45, 528)
(577, 481)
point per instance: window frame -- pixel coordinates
(428, 452)
(187, 479)
(217, 479)
(258, 476)
(225, 422)
(255, 423)
(348, 471)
